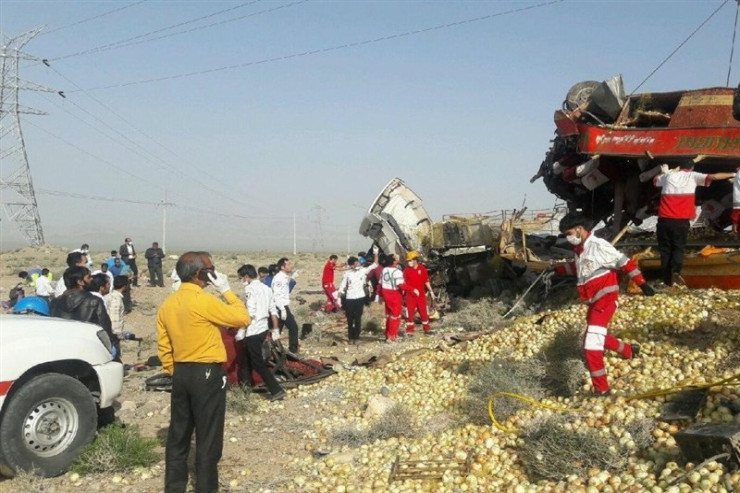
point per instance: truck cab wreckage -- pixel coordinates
(463, 251)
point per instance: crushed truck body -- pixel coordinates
(608, 146)
(462, 251)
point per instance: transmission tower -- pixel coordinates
(16, 186)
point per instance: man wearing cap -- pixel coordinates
(417, 278)
(596, 264)
(677, 209)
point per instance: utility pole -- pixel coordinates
(15, 173)
(164, 205)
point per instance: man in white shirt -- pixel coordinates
(281, 294)
(104, 270)
(75, 258)
(44, 289)
(352, 288)
(261, 307)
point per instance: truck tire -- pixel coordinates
(46, 425)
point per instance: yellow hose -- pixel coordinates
(729, 381)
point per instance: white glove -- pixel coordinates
(240, 334)
(416, 292)
(283, 314)
(295, 274)
(275, 334)
(220, 281)
(375, 249)
(664, 168)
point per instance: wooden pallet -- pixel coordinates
(427, 469)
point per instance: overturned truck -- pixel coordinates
(462, 251)
(608, 146)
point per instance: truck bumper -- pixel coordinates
(110, 376)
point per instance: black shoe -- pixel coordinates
(635, 350)
(429, 332)
(277, 397)
(602, 394)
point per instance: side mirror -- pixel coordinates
(736, 104)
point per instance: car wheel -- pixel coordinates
(46, 424)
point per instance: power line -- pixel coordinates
(149, 137)
(329, 49)
(137, 39)
(74, 146)
(164, 165)
(732, 45)
(94, 17)
(73, 195)
(680, 45)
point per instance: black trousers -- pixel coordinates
(256, 362)
(155, 276)
(128, 303)
(672, 235)
(353, 309)
(135, 269)
(198, 402)
(292, 329)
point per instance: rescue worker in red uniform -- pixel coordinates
(333, 302)
(417, 280)
(392, 286)
(596, 264)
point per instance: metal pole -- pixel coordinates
(295, 246)
(164, 222)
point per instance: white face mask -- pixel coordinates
(245, 283)
(573, 240)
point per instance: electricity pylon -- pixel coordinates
(16, 186)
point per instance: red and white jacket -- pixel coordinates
(596, 265)
(391, 279)
(677, 194)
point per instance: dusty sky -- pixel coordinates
(248, 114)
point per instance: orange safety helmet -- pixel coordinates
(412, 255)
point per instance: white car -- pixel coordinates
(55, 378)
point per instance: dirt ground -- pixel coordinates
(261, 444)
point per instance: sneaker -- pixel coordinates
(277, 397)
(429, 332)
(409, 334)
(390, 341)
(602, 394)
(635, 350)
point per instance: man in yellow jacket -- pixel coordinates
(191, 350)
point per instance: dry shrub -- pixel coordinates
(349, 437)
(373, 326)
(117, 448)
(565, 370)
(550, 451)
(396, 421)
(473, 316)
(26, 482)
(240, 399)
(503, 375)
(641, 431)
